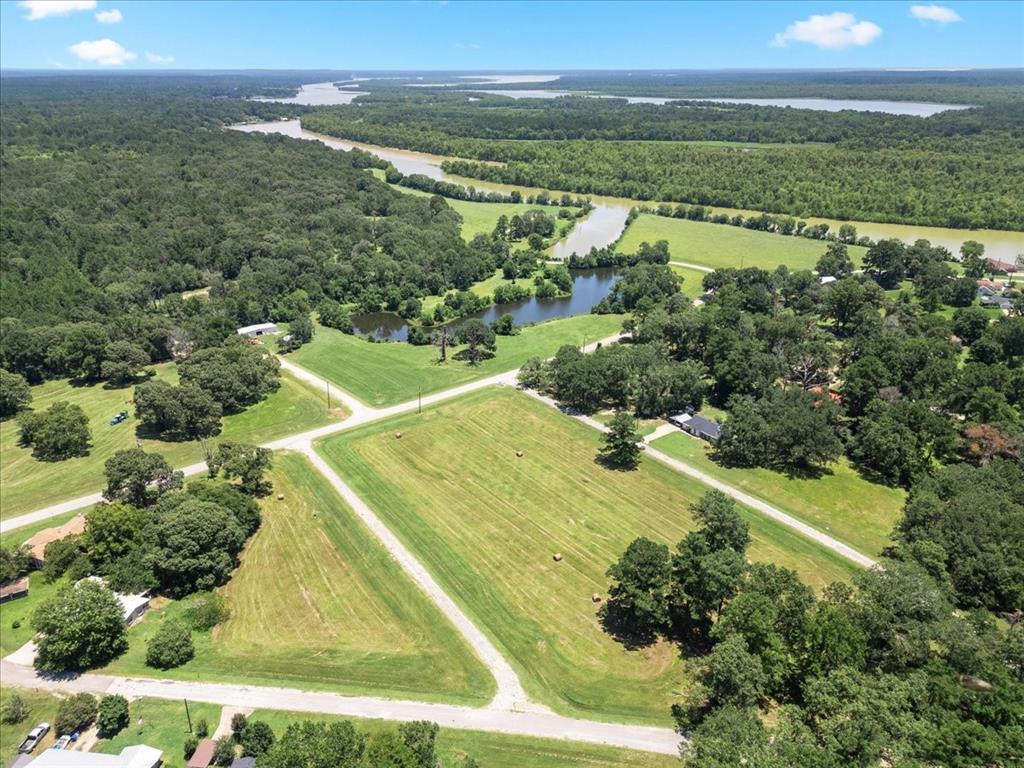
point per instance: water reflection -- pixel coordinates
(589, 286)
(318, 95)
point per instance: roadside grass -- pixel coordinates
(19, 612)
(722, 245)
(318, 603)
(382, 374)
(27, 484)
(163, 726)
(486, 523)
(840, 503)
(492, 750)
(19, 535)
(42, 708)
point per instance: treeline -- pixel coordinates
(120, 193)
(955, 169)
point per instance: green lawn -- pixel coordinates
(486, 524)
(384, 374)
(19, 612)
(28, 484)
(319, 603)
(841, 503)
(722, 245)
(693, 280)
(495, 750)
(42, 708)
(164, 726)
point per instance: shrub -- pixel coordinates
(112, 716)
(14, 710)
(205, 610)
(202, 728)
(171, 646)
(224, 753)
(257, 737)
(191, 743)
(75, 713)
(238, 721)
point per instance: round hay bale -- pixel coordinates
(398, 435)
(595, 598)
(280, 497)
(557, 557)
(519, 454)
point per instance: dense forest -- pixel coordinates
(956, 168)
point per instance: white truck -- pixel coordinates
(34, 737)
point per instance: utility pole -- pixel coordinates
(328, 394)
(188, 716)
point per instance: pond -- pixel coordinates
(589, 286)
(319, 95)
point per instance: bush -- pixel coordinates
(202, 728)
(205, 610)
(224, 753)
(75, 713)
(257, 737)
(238, 721)
(58, 557)
(112, 716)
(191, 744)
(14, 710)
(171, 646)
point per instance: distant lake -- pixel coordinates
(589, 286)
(318, 95)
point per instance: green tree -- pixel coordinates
(972, 255)
(420, 736)
(112, 531)
(478, 338)
(387, 749)
(75, 713)
(80, 627)
(171, 645)
(835, 262)
(60, 432)
(637, 607)
(224, 752)
(505, 326)
(122, 362)
(317, 745)
(243, 462)
(621, 447)
(256, 738)
(14, 709)
(235, 375)
(334, 315)
(195, 543)
(112, 716)
(139, 478)
(15, 393)
(969, 323)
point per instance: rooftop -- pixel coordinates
(73, 527)
(138, 756)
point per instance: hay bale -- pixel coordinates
(558, 557)
(595, 598)
(519, 454)
(398, 435)
(280, 497)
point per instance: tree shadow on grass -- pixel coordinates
(617, 624)
(463, 355)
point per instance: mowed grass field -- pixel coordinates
(27, 484)
(389, 373)
(722, 245)
(486, 523)
(494, 750)
(841, 503)
(318, 603)
(163, 726)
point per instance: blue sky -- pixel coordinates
(554, 36)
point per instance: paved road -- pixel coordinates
(541, 724)
(691, 265)
(746, 499)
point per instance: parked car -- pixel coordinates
(61, 743)
(34, 737)
(119, 418)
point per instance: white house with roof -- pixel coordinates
(138, 756)
(260, 329)
(133, 607)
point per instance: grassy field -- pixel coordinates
(840, 503)
(486, 524)
(19, 612)
(29, 484)
(42, 708)
(692, 280)
(494, 750)
(384, 374)
(721, 245)
(164, 726)
(318, 603)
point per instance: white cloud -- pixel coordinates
(156, 58)
(934, 13)
(836, 30)
(105, 52)
(43, 9)
(113, 16)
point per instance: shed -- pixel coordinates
(203, 755)
(13, 590)
(698, 426)
(827, 279)
(37, 544)
(132, 606)
(244, 762)
(260, 329)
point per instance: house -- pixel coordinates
(13, 590)
(698, 426)
(203, 755)
(827, 279)
(260, 329)
(20, 761)
(133, 607)
(37, 544)
(990, 287)
(138, 756)
(995, 265)
(1005, 303)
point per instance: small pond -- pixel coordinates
(589, 286)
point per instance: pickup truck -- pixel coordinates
(34, 737)
(119, 418)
